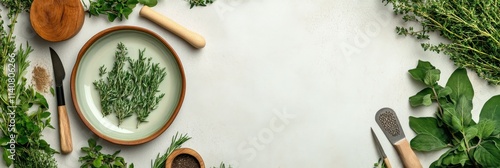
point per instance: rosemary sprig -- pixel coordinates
(130, 91)
(176, 143)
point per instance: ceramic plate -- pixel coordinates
(98, 51)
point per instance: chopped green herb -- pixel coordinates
(130, 87)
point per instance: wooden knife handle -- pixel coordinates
(387, 163)
(192, 38)
(64, 131)
(408, 157)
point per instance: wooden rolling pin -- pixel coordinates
(192, 38)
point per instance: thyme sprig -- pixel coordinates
(471, 27)
(130, 87)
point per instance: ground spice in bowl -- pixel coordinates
(185, 161)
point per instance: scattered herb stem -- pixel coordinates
(132, 90)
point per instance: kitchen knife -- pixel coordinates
(388, 121)
(64, 128)
(381, 150)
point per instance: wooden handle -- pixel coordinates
(408, 157)
(387, 163)
(64, 131)
(192, 38)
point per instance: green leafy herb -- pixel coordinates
(469, 143)
(379, 164)
(132, 90)
(114, 9)
(471, 27)
(194, 3)
(23, 111)
(222, 165)
(95, 159)
(176, 143)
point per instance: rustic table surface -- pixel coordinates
(279, 83)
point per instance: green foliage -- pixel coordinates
(469, 144)
(379, 164)
(470, 26)
(19, 102)
(114, 9)
(130, 91)
(194, 3)
(176, 143)
(95, 159)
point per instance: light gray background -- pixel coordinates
(279, 83)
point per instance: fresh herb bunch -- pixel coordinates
(22, 142)
(176, 143)
(130, 91)
(115, 8)
(95, 159)
(194, 3)
(469, 143)
(471, 27)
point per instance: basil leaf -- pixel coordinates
(487, 153)
(426, 142)
(431, 77)
(460, 84)
(491, 111)
(429, 136)
(422, 98)
(463, 111)
(420, 72)
(485, 128)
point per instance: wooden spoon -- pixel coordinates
(57, 20)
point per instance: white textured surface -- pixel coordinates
(280, 84)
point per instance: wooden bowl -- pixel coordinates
(184, 151)
(57, 20)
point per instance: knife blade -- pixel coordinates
(388, 121)
(64, 128)
(380, 150)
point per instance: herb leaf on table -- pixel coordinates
(469, 143)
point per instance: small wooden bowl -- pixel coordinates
(182, 151)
